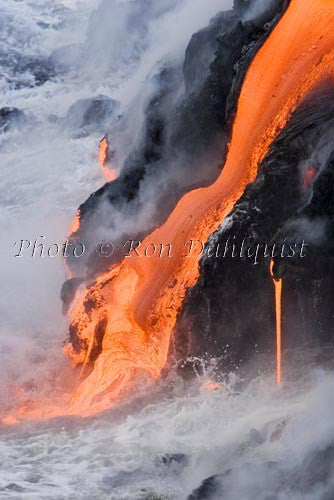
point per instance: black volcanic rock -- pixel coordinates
(308, 477)
(183, 141)
(230, 313)
(25, 71)
(202, 48)
(11, 118)
(67, 292)
(66, 57)
(241, 5)
(208, 489)
(91, 115)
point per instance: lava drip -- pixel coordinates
(121, 325)
(139, 300)
(278, 312)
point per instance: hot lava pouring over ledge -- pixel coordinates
(122, 323)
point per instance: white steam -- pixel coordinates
(46, 173)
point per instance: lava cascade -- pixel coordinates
(134, 305)
(139, 300)
(278, 312)
(103, 156)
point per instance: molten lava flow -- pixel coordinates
(139, 300)
(126, 317)
(74, 227)
(103, 156)
(278, 308)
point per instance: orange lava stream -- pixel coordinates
(139, 300)
(278, 284)
(109, 174)
(74, 227)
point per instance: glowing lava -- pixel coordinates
(74, 227)
(309, 178)
(75, 224)
(139, 300)
(126, 318)
(103, 156)
(212, 386)
(278, 309)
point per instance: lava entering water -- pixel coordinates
(278, 310)
(137, 302)
(103, 156)
(126, 317)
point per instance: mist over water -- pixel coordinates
(264, 442)
(257, 437)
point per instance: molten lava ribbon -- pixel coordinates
(135, 304)
(138, 301)
(74, 227)
(108, 173)
(278, 309)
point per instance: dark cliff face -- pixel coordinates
(230, 311)
(312, 471)
(285, 215)
(184, 135)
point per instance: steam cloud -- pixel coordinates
(114, 51)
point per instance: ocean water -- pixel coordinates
(262, 441)
(265, 442)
